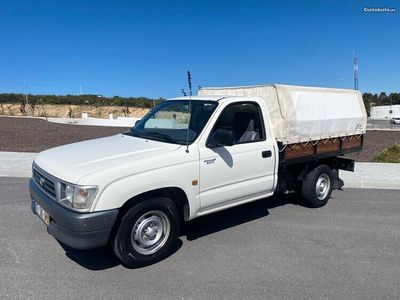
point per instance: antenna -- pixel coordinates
(190, 83)
(189, 78)
(355, 70)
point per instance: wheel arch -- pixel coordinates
(175, 194)
(291, 176)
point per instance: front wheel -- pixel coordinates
(148, 232)
(317, 188)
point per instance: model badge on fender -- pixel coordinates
(210, 161)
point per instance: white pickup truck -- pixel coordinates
(189, 157)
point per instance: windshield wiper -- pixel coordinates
(161, 135)
(133, 132)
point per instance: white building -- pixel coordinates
(385, 111)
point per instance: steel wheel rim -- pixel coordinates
(150, 232)
(323, 186)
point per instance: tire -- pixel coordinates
(317, 188)
(148, 233)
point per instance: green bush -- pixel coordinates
(389, 155)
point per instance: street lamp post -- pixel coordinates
(390, 112)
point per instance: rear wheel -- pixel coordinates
(317, 188)
(147, 233)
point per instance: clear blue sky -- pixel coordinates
(144, 48)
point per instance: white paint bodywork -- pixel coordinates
(124, 166)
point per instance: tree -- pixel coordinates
(95, 100)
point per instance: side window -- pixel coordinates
(245, 120)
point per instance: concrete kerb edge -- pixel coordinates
(18, 164)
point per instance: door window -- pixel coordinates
(245, 120)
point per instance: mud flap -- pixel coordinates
(337, 183)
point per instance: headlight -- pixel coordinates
(77, 197)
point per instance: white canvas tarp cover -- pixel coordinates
(301, 114)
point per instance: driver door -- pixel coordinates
(240, 172)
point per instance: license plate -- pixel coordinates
(43, 215)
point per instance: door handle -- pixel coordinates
(266, 154)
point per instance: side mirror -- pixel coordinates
(137, 122)
(222, 137)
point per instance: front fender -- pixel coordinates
(115, 194)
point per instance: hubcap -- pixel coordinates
(150, 232)
(323, 186)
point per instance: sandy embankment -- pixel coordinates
(74, 111)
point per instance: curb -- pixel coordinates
(16, 164)
(365, 176)
(372, 176)
(383, 129)
(369, 184)
(127, 122)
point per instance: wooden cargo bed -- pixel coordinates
(294, 153)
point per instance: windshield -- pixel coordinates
(169, 121)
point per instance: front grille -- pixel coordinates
(46, 184)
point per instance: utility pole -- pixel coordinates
(390, 111)
(26, 98)
(152, 91)
(355, 70)
(26, 92)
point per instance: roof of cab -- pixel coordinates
(203, 98)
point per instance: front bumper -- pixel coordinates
(77, 230)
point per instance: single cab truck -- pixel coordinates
(193, 156)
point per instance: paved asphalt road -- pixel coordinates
(264, 250)
(381, 124)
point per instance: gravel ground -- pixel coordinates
(35, 135)
(374, 142)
